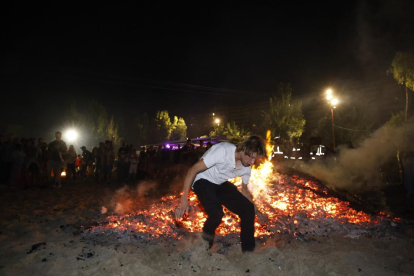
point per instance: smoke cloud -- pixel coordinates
(359, 169)
(132, 198)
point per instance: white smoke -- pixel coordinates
(141, 195)
(359, 169)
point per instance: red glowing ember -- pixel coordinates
(291, 203)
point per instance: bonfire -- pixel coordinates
(295, 205)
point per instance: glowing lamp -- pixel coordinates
(71, 135)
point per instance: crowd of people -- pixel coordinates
(25, 163)
(30, 162)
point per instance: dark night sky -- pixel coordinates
(123, 55)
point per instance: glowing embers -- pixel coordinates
(290, 203)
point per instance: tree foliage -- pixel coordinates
(141, 129)
(231, 129)
(396, 119)
(352, 123)
(217, 131)
(92, 119)
(112, 132)
(178, 129)
(284, 117)
(162, 128)
(402, 69)
(96, 125)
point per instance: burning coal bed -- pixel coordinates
(295, 206)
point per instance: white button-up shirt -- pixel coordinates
(221, 163)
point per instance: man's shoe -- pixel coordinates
(244, 250)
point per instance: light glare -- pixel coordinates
(71, 135)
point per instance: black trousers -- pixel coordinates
(5, 170)
(213, 196)
(72, 169)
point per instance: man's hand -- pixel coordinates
(189, 178)
(261, 217)
(182, 209)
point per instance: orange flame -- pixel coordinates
(286, 201)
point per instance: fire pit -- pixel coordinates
(295, 205)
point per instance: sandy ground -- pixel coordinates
(40, 236)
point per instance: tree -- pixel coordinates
(163, 126)
(352, 123)
(217, 131)
(123, 130)
(179, 129)
(237, 133)
(284, 117)
(141, 130)
(92, 119)
(232, 129)
(402, 68)
(112, 133)
(396, 120)
(163, 129)
(98, 118)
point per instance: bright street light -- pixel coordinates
(329, 94)
(333, 102)
(71, 135)
(217, 121)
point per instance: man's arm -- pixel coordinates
(189, 178)
(246, 193)
(260, 216)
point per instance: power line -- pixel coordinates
(159, 85)
(353, 129)
(183, 84)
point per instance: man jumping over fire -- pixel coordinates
(209, 177)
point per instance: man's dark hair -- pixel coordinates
(253, 144)
(58, 132)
